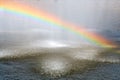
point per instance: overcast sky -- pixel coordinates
(95, 15)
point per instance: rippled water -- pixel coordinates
(49, 59)
(40, 63)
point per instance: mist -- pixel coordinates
(96, 16)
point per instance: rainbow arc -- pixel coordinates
(27, 10)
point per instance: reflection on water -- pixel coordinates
(54, 65)
(46, 59)
(55, 58)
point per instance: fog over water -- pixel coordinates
(97, 16)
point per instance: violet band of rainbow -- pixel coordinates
(48, 18)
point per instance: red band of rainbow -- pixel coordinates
(46, 17)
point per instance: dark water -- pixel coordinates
(22, 70)
(35, 63)
(33, 68)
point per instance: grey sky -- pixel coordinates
(95, 15)
(89, 13)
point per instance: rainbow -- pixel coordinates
(43, 16)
